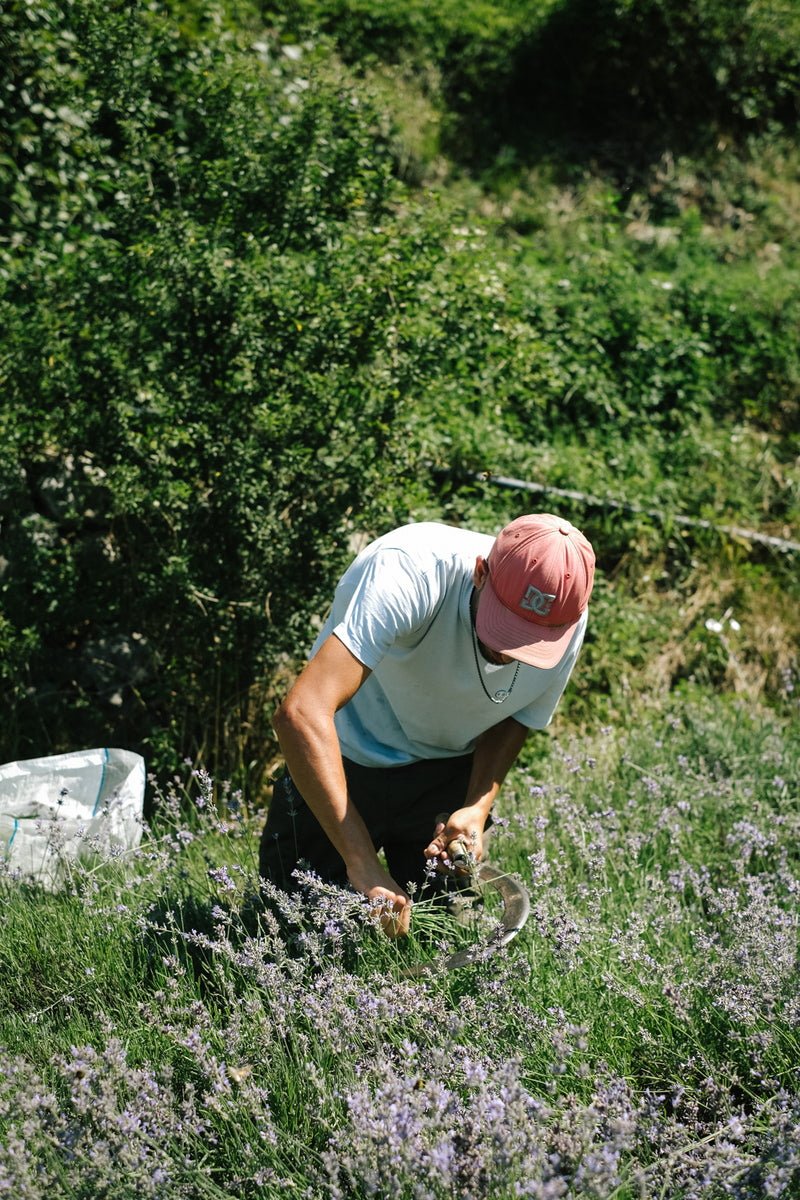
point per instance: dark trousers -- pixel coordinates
(399, 806)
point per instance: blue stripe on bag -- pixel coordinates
(14, 834)
(102, 781)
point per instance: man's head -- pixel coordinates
(534, 587)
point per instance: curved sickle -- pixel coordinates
(516, 909)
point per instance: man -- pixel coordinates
(443, 648)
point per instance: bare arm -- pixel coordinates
(307, 736)
(495, 752)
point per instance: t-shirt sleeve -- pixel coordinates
(383, 599)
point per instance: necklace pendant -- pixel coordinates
(501, 694)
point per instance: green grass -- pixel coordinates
(657, 976)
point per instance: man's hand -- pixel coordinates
(465, 827)
(391, 905)
(305, 726)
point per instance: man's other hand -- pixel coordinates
(461, 832)
(390, 904)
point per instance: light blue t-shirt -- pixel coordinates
(403, 609)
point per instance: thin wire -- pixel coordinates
(750, 535)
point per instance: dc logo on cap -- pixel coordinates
(537, 602)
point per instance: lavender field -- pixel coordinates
(167, 1032)
(279, 275)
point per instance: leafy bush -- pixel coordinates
(626, 73)
(233, 339)
(198, 379)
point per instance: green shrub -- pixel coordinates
(197, 375)
(623, 67)
(634, 75)
(233, 339)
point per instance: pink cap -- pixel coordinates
(541, 571)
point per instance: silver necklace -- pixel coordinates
(502, 694)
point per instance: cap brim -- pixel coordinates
(528, 641)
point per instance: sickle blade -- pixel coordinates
(516, 909)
